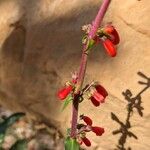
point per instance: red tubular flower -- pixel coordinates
(110, 48)
(63, 93)
(98, 95)
(112, 32)
(86, 141)
(87, 120)
(98, 130)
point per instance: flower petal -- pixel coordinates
(63, 93)
(95, 102)
(109, 29)
(116, 39)
(113, 32)
(110, 48)
(86, 141)
(87, 120)
(98, 96)
(100, 89)
(98, 130)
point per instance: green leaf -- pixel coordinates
(71, 144)
(13, 118)
(20, 145)
(9, 121)
(67, 102)
(90, 44)
(6, 123)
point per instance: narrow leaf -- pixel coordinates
(9, 121)
(71, 144)
(67, 102)
(13, 118)
(3, 127)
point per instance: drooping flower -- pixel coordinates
(63, 93)
(98, 95)
(110, 48)
(98, 130)
(84, 128)
(86, 141)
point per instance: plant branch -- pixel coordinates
(83, 64)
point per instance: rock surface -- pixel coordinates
(40, 45)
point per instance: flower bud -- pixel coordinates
(74, 77)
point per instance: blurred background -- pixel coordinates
(40, 45)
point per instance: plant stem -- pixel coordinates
(83, 64)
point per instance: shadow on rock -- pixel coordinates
(37, 56)
(134, 103)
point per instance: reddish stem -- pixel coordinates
(83, 64)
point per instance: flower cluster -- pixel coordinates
(107, 35)
(94, 92)
(87, 127)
